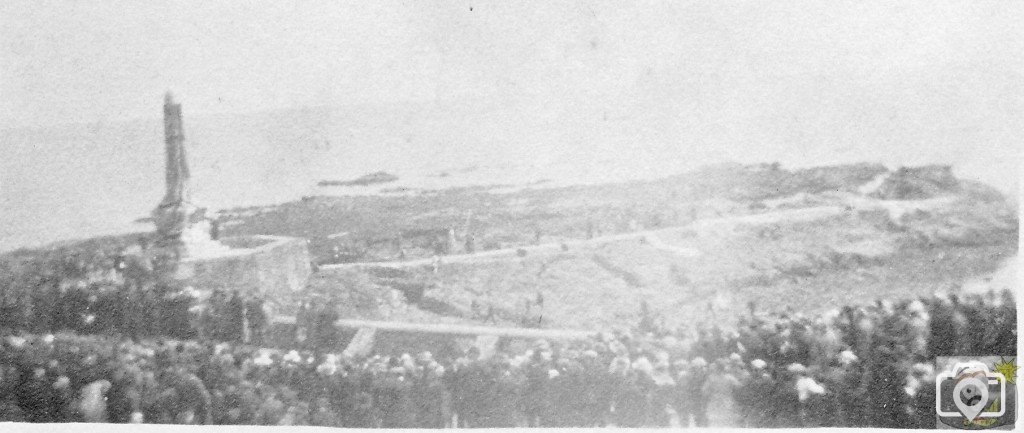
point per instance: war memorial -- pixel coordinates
(253, 264)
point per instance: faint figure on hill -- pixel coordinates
(449, 244)
(524, 321)
(490, 315)
(474, 309)
(647, 323)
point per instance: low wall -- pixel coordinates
(256, 264)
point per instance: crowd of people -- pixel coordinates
(112, 291)
(855, 366)
(156, 310)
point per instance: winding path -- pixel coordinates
(650, 236)
(453, 329)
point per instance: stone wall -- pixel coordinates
(254, 264)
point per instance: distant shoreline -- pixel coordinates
(363, 188)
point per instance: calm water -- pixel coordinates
(82, 180)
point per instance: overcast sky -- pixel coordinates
(74, 61)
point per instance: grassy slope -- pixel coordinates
(851, 258)
(806, 265)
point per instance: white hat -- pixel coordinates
(292, 356)
(796, 367)
(643, 364)
(806, 386)
(327, 368)
(263, 360)
(847, 357)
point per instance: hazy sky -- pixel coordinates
(74, 61)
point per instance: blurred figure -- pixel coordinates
(256, 318)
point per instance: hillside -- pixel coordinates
(693, 247)
(802, 240)
(366, 228)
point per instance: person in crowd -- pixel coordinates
(189, 397)
(124, 397)
(303, 321)
(92, 403)
(662, 392)
(536, 393)
(719, 389)
(235, 317)
(34, 396)
(256, 317)
(392, 396)
(326, 331)
(432, 398)
(323, 414)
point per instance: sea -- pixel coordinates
(75, 181)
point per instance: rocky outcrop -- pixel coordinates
(918, 183)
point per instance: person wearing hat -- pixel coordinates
(191, 393)
(663, 394)
(536, 387)
(271, 410)
(256, 319)
(124, 397)
(691, 398)
(323, 415)
(719, 389)
(92, 402)
(631, 402)
(430, 397)
(63, 397)
(235, 317)
(392, 397)
(35, 395)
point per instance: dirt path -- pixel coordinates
(452, 329)
(650, 236)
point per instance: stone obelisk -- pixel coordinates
(176, 173)
(175, 215)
